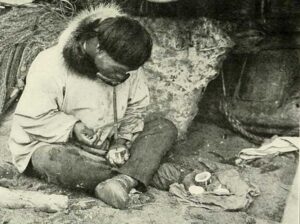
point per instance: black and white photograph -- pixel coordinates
(149, 111)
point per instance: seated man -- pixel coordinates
(80, 102)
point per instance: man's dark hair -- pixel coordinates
(124, 39)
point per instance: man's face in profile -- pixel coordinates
(110, 71)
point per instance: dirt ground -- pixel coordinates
(204, 140)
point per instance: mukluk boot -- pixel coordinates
(115, 191)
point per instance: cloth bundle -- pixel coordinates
(240, 196)
(276, 146)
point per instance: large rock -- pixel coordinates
(187, 55)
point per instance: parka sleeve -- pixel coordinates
(133, 121)
(38, 112)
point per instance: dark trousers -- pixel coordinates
(62, 164)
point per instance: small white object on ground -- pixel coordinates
(196, 190)
(203, 177)
(221, 191)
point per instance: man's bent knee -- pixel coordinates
(45, 162)
(167, 127)
(44, 155)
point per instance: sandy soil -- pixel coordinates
(204, 140)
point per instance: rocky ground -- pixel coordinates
(204, 140)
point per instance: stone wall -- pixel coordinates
(187, 55)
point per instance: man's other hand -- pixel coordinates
(84, 134)
(118, 154)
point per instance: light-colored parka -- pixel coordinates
(55, 98)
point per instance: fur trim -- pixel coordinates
(79, 30)
(103, 11)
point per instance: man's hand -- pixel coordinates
(118, 154)
(84, 134)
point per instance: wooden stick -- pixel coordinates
(115, 113)
(16, 199)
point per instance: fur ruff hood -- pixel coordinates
(80, 29)
(99, 13)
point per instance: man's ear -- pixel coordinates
(90, 46)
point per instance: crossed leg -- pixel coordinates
(65, 165)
